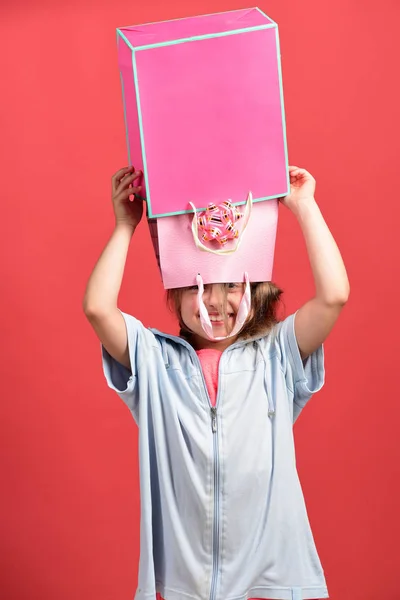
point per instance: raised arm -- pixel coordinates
(102, 290)
(316, 318)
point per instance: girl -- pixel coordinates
(222, 511)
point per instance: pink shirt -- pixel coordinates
(209, 360)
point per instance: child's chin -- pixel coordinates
(219, 325)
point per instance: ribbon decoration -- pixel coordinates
(218, 223)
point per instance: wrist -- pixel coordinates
(303, 208)
(125, 227)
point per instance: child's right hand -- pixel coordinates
(126, 211)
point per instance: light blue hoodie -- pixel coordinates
(222, 510)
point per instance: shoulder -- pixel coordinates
(274, 338)
(137, 331)
(279, 341)
(177, 353)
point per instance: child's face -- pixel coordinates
(213, 299)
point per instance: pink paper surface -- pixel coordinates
(132, 120)
(166, 31)
(181, 260)
(212, 121)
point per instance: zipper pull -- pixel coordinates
(214, 419)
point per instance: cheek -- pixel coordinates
(235, 302)
(189, 307)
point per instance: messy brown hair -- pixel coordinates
(265, 303)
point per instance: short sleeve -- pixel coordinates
(120, 379)
(303, 377)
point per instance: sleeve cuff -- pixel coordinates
(117, 376)
(120, 380)
(308, 374)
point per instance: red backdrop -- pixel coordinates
(70, 499)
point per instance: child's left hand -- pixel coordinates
(302, 188)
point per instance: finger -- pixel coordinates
(137, 174)
(116, 178)
(303, 174)
(125, 194)
(119, 175)
(299, 174)
(294, 168)
(127, 180)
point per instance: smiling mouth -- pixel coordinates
(218, 319)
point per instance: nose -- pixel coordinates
(213, 295)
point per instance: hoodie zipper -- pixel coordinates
(216, 523)
(216, 520)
